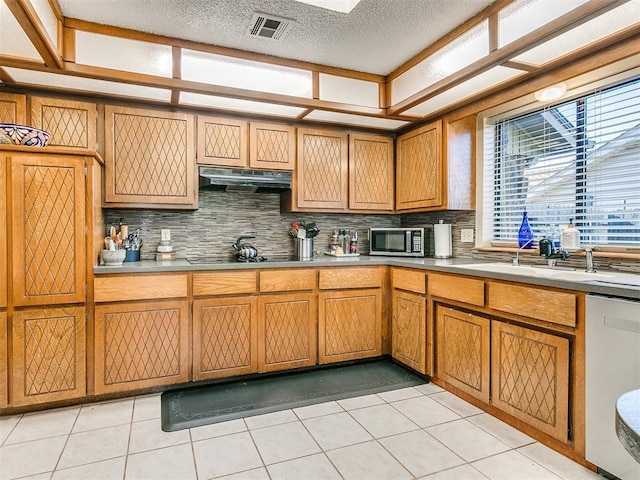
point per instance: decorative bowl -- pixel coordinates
(12, 134)
(113, 257)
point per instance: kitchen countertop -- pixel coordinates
(628, 422)
(452, 265)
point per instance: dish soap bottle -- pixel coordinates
(570, 237)
(525, 235)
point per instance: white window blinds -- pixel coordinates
(576, 160)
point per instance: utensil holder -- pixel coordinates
(303, 248)
(132, 256)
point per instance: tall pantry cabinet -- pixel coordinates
(46, 273)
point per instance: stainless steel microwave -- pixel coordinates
(401, 242)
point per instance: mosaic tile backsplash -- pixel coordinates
(224, 216)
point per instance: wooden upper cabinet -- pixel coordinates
(47, 228)
(272, 146)
(419, 168)
(460, 147)
(3, 228)
(13, 108)
(222, 141)
(71, 124)
(150, 159)
(370, 172)
(320, 180)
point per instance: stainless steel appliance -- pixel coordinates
(401, 242)
(239, 180)
(612, 368)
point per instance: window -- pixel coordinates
(576, 160)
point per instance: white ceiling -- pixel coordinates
(376, 37)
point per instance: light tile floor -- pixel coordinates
(422, 432)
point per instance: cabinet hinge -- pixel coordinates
(570, 352)
(86, 172)
(86, 291)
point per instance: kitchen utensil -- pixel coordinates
(245, 252)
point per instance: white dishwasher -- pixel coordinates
(612, 368)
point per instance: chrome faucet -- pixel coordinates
(561, 254)
(552, 255)
(516, 260)
(588, 251)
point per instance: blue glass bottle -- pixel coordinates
(525, 235)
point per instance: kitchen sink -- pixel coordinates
(540, 271)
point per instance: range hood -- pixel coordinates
(239, 180)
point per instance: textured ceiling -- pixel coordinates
(376, 37)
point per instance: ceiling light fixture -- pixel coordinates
(342, 6)
(549, 94)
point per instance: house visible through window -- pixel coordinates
(577, 160)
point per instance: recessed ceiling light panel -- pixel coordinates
(342, 6)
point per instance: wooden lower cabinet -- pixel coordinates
(409, 327)
(287, 331)
(225, 337)
(463, 351)
(49, 355)
(349, 325)
(530, 377)
(140, 345)
(4, 399)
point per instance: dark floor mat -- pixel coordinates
(203, 405)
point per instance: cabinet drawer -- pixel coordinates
(467, 290)
(283, 280)
(350, 278)
(139, 287)
(410, 280)
(538, 303)
(223, 283)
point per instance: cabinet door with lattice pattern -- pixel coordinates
(349, 325)
(71, 123)
(272, 146)
(149, 158)
(13, 108)
(419, 168)
(321, 176)
(370, 172)
(49, 355)
(4, 399)
(3, 236)
(47, 229)
(141, 345)
(287, 331)
(409, 328)
(225, 337)
(222, 141)
(530, 377)
(463, 342)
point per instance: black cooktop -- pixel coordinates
(223, 260)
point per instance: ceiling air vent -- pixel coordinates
(269, 27)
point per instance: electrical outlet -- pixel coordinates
(165, 234)
(466, 235)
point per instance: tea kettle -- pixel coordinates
(245, 252)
